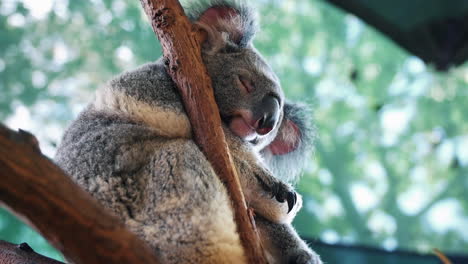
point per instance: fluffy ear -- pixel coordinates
(288, 153)
(287, 140)
(224, 22)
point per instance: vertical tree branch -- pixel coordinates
(181, 45)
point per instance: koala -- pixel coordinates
(132, 149)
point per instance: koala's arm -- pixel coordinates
(268, 196)
(285, 156)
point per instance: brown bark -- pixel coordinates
(181, 44)
(41, 193)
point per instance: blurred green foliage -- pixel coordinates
(390, 163)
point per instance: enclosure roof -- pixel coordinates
(434, 30)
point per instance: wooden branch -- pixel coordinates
(181, 44)
(35, 188)
(21, 254)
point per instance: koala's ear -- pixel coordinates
(288, 153)
(225, 22)
(222, 20)
(287, 140)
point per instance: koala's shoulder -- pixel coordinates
(148, 83)
(92, 139)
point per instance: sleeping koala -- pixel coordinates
(132, 149)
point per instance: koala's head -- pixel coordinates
(247, 91)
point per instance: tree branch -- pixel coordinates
(42, 194)
(341, 185)
(452, 185)
(181, 44)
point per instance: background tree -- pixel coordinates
(390, 163)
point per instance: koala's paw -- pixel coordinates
(284, 193)
(278, 190)
(305, 257)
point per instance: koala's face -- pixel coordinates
(247, 91)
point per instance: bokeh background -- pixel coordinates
(389, 169)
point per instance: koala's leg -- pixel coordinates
(283, 245)
(184, 211)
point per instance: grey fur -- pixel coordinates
(132, 150)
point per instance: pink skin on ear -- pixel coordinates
(214, 15)
(287, 139)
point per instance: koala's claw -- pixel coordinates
(283, 193)
(292, 198)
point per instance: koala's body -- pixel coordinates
(132, 149)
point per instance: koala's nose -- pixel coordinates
(267, 114)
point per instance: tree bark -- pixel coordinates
(33, 187)
(181, 44)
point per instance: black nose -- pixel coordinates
(267, 114)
